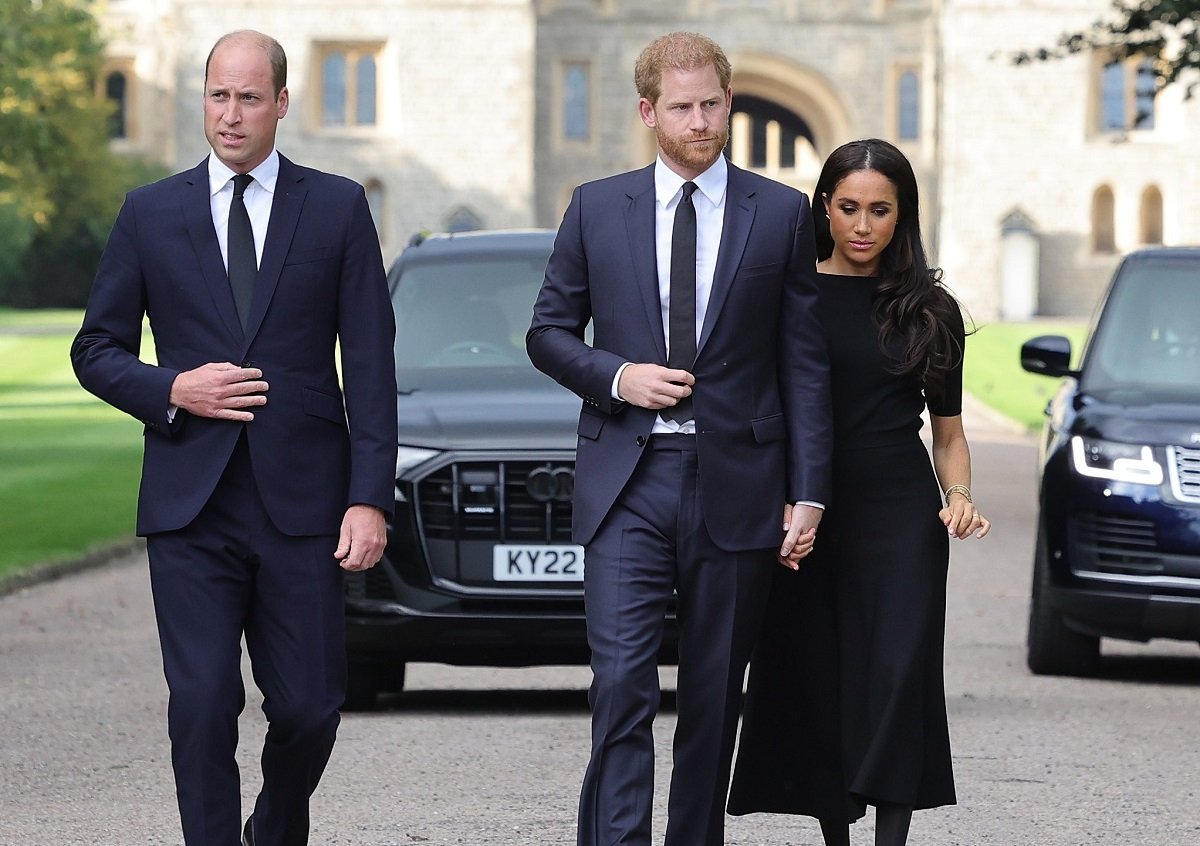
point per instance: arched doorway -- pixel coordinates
(786, 119)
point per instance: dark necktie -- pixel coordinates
(681, 317)
(243, 263)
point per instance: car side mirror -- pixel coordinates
(1047, 355)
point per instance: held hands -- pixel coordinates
(220, 390)
(960, 517)
(800, 525)
(654, 386)
(362, 539)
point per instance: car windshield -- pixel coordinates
(466, 313)
(1147, 343)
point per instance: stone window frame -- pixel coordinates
(563, 66)
(1135, 73)
(353, 52)
(124, 66)
(895, 105)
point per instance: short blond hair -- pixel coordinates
(266, 43)
(678, 51)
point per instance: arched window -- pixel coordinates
(116, 90)
(1152, 216)
(908, 106)
(1103, 235)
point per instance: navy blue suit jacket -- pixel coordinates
(315, 449)
(761, 397)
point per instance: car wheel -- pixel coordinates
(362, 688)
(1053, 648)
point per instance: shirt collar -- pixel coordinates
(712, 183)
(266, 174)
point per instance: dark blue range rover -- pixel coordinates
(1118, 538)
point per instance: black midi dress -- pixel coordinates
(845, 702)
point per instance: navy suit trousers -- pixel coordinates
(654, 542)
(231, 572)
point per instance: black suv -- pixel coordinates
(479, 567)
(1118, 537)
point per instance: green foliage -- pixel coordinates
(60, 184)
(1167, 32)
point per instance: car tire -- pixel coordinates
(362, 688)
(1054, 649)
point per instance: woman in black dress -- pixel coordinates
(845, 704)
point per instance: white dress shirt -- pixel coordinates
(258, 197)
(709, 201)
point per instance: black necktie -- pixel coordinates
(682, 313)
(243, 263)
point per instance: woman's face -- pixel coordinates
(863, 212)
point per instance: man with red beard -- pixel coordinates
(704, 433)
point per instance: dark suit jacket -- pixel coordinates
(320, 282)
(761, 396)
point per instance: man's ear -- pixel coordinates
(282, 101)
(646, 110)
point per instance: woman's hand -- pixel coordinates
(962, 519)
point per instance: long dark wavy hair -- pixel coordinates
(911, 306)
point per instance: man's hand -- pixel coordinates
(220, 390)
(800, 525)
(363, 538)
(654, 386)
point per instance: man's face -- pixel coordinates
(241, 110)
(690, 119)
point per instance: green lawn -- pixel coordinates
(993, 371)
(69, 464)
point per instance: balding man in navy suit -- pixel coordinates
(704, 434)
(265, 475)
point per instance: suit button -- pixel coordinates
(641, 440)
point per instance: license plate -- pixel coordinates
(516, 563)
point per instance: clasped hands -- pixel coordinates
(961, 518)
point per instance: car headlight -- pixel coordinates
(408, 457)
(1119, 462)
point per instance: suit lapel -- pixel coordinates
(640, 226)
(197, 212)
(290, 192)
(740, 208)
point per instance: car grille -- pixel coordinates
(1185, 473)
(1120, 544)
(511, 501)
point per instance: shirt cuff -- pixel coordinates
(810, 502)
(617, 381)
